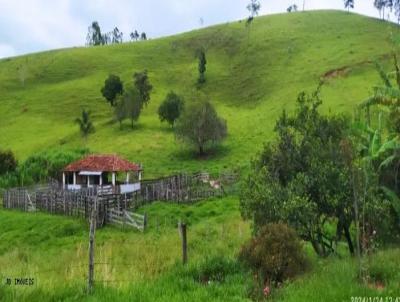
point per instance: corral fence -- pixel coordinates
(113, 207)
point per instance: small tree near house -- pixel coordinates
(171, 109)
(200, 125)
(112, 87)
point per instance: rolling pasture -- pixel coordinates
(252, 75)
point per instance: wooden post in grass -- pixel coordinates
(144, 221)
(91, 245)
(182, 229)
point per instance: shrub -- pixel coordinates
(275, 254)
(40, 167)
(8, 163)
(214, 269)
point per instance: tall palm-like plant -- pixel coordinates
(388, 94)
(378, 153)
(85, 124)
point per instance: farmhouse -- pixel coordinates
(105, 171)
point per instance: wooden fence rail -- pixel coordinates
(112, 207)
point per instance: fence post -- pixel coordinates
(92, 233)
(144, 221)
(182, 229)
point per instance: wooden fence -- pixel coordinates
(112, 207)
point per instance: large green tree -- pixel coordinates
(171, 108)
(200, 126)
(112, 87)
(303, 179)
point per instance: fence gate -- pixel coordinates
(127, 218)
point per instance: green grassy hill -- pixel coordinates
(252, 75)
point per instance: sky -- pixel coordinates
(35, 25)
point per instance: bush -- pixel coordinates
(8, 163)
(214, 269)
(275, 254)
(39, 167)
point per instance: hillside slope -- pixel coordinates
(252, 75)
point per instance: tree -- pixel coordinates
(85, 124)
(116, 36)
(8, 162)
(171, 109)
(134, 35)
(142, 84)
(143, 36)
(202, 66)
(94, 36)
(380, 5)
(349, 4)
(302, 178)
(396, 6)
(200, 125)
(120, 109)
(253, 7)
(292, 8)
(132, 104)
(112, 87)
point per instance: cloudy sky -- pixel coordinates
(35, 25)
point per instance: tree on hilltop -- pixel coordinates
(349, 4)
(94, 36)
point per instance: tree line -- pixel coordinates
(96, 37)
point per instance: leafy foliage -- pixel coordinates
(112, 87)
(40, 167)
(8, 162)
(302, 178)
(128, 105)
(201, 125)
(275, 254)
(94, 36)
(171, 108)
(202, 66)
(142, 84)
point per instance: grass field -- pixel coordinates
(252, 75)
(146, 267)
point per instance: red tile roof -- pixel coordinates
(102, 163)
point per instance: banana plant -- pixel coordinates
(379, 153)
